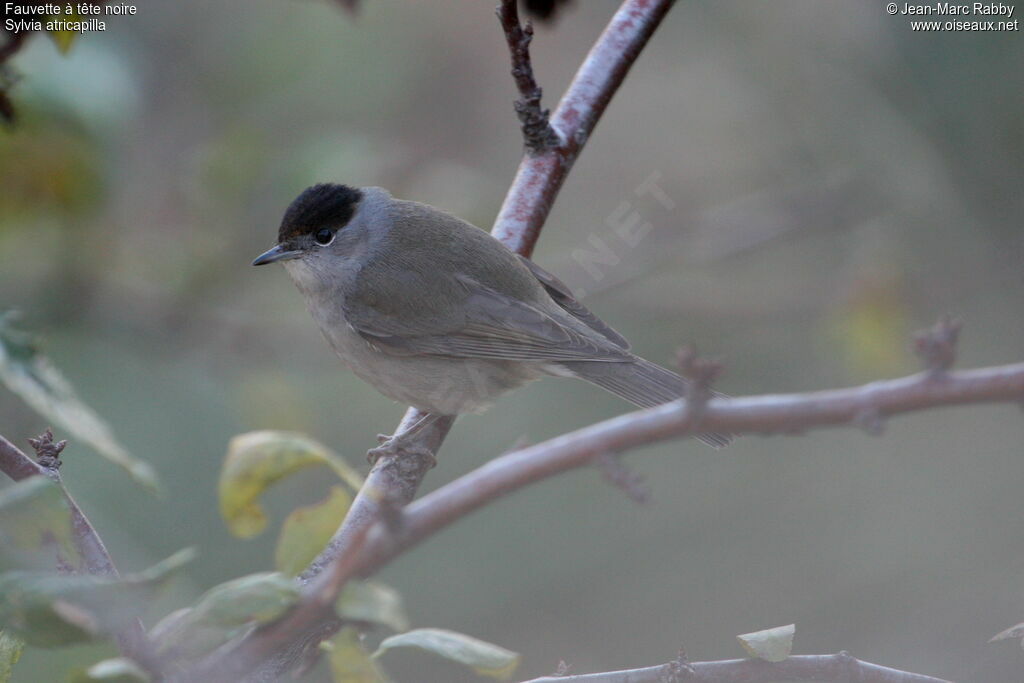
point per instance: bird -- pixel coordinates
(436, 313)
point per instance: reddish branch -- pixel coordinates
(769, 414)
(840, 667)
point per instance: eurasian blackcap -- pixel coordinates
(437, 314)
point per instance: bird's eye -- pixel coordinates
(324, 236)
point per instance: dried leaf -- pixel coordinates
(485, 658)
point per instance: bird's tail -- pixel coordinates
(642, 383)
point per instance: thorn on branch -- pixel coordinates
(538, 134)
(937, 344)
(621, 477)
(48, 452)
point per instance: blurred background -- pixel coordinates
(831, 182)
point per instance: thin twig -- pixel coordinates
(840, 667)
(538, 135)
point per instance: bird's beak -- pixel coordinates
(275, 254)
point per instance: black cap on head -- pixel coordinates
(323, 205)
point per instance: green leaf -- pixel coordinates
(49, 609)
(35, 525)
(372, 602)
(10, 653)
(256, 460)
(256, 598)
(771, 645)
(118, 670)
(349, 661)
(307, 530)
(224, 611)
(484, 658)
(31, 375)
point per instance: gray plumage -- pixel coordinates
(436, 313)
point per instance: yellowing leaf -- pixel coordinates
(31, 375)
(256, 460)
(372, 602)
(307, 530)
(10, 653)
(35, 525)
(771, 645)
(485, 658)
(349, 661)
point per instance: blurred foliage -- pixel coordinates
(55, 609)
(31, 375)
(835, 182)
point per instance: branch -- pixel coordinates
(96, 560)
(768, 414)
(840, 667)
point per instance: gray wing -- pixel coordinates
(561, 295)
(490, 325)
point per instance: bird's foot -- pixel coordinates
(399, 445)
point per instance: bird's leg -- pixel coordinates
(404, 442)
